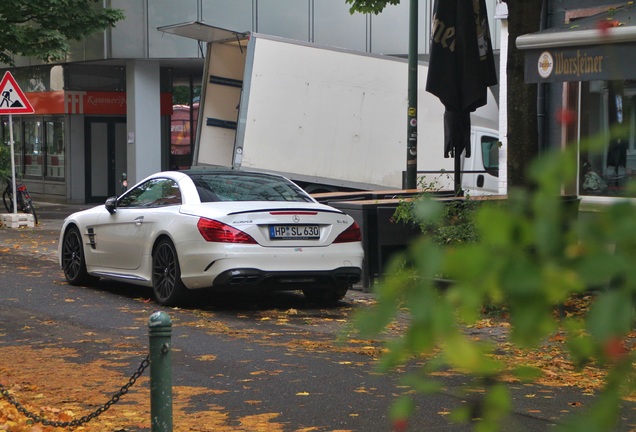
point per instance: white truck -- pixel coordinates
(330, 119)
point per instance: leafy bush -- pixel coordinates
(528, 256)
(5, 162)
(453, 226)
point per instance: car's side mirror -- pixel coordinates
(111, 205)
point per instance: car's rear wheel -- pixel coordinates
(73, 259)
(326, 295)
(166, 274)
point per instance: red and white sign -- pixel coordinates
(12, 99)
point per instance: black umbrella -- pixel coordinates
(461, 68)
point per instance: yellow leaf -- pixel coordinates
(207, 357)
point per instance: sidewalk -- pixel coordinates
(43, 238)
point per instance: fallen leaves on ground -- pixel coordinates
(58, 397)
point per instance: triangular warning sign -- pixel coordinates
(12, 99)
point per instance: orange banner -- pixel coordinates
(87, 103)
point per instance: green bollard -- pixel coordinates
(160, 331)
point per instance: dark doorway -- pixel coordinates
(105, 156)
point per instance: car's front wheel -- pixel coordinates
(326, 295)
(166, 274)
(73, 259)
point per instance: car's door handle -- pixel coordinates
(139, 220)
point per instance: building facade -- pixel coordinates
(583, 64)
(124, 102)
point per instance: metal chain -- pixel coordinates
(39, 419)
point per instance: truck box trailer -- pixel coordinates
(328, 118)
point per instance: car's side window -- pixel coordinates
(153, 193)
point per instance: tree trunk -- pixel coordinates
(524, 16)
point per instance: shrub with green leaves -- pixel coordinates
(5, 162)
(528, 256)
(453, 226)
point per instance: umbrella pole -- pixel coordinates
(458, 170)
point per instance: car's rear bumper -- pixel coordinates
(203, 266)
(287, 280)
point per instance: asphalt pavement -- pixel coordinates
(42, 241)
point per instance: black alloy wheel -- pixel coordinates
(166, 274)
(73, 260)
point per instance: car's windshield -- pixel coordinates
(246, 187)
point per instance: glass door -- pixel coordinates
(105, 139)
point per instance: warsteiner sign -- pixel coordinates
(599, 62)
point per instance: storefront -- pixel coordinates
(590, 68)
(75, 147)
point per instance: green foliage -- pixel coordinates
(528, 256)
(42, 28)
(450, 222)
(181, 95)
(370, 6)
(5, 162)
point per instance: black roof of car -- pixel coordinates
(224, 170)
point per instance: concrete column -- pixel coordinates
(144, 119)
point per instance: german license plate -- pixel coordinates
(294, 232)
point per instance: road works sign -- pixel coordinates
(12, 99)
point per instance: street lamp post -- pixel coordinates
(410, 181)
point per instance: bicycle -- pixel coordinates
(25, 203)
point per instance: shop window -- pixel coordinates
(95, 78)
(33, 148)
(183, 122)
(609, 166)
(38, 146)
(54, 149)
(17, 141)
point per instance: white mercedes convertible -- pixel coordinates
(177, 231)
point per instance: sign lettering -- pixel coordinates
(580, 64)
(442, 35)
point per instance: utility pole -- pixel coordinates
(410, 182)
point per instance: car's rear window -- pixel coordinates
(245, 187)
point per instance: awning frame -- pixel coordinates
(201, 31)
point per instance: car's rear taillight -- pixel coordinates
(351, 234)
(215, 231)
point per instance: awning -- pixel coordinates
(203, 32)
(599, 47)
